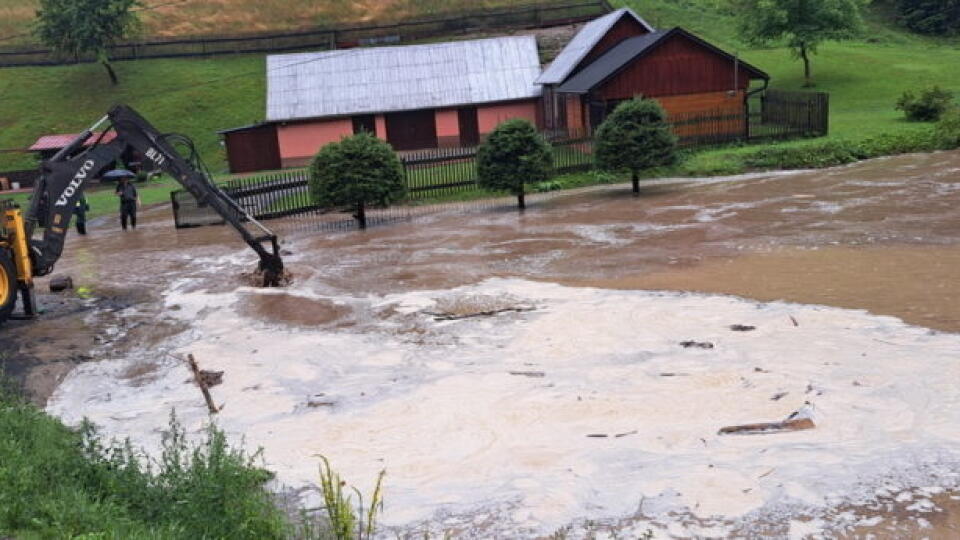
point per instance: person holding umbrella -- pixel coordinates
(129, 198)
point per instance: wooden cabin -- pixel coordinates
(686, 74)
(452, 94)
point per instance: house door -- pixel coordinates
(412, 130)
(598, 113)
(469, 128)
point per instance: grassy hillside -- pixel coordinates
(193, 97)
(863, 77)
(195, 17)
(197, 97)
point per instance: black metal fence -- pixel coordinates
(537, 14)
(267, 196)
(441, 172)
(782, 114)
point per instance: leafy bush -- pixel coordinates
(604, 177)
(512, 156)
(833, 153)
(928, 107)
(357, 171)
(60, 483)
(947, 132)
(636, 136)
(548, 185)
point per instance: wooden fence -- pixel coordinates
(541, 13)
(448, 171)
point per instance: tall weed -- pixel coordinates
(344, 521)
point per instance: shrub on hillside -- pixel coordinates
(927, 107)
(635, 137)
(359, 170)
(512, 156)
(947, 132)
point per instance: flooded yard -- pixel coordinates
(565, 370)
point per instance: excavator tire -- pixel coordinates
(8, 285)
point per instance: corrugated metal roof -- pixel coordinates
(56, 142)
(383, 79)
(582, 43)
(630, 49)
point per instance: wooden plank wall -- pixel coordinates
(252, 150)
(678, 66)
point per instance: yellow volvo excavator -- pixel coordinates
(62, 181)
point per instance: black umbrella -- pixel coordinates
(117, 174)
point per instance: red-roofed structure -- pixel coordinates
(47, 143)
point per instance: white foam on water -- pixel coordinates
(583, 408)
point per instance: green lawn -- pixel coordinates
(864, 78)
(103, 199)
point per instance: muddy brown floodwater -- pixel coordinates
(880, 236)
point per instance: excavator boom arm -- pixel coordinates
(65, 175)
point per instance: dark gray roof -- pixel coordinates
(614, 60)
(243, 128)
(583, 43)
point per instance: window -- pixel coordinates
(365, 123)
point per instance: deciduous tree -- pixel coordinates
(636, 136)
(802, 24)
(73, 28)
(512, 156)
(359, 170)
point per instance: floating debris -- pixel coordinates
(742, 327)
(528, 373)
(60, 283)
(799, 420)
(315, 404)
(696, 344)
(455, 317)
(201, 382)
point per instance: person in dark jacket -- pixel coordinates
(81, 212)
(129, 201)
